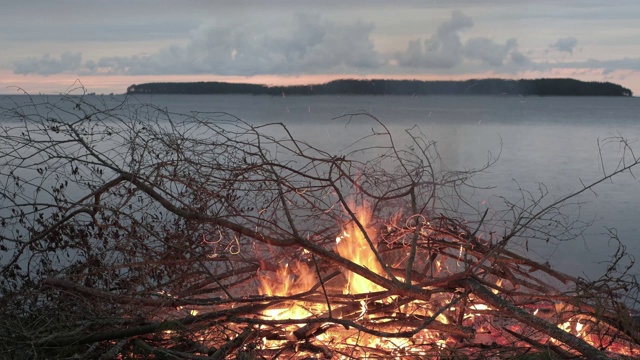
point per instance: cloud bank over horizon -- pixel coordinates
(49, 65)
(289, 40)
(310, 44)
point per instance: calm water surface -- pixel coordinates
(551, 140)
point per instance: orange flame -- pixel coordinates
(353, 245)
(288, 280)
(297, 277)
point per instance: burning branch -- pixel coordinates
(130, 231)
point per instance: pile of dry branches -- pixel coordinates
(132, 232)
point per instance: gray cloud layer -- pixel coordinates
(307, 44)
(49, 65)
(446, 50)
(442, 50)
(566, 44)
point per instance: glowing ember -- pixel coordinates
(473, 323)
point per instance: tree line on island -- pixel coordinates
(537, 87)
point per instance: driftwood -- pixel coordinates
(137, 233)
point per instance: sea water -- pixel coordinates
(557, 144)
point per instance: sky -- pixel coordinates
(51, 46)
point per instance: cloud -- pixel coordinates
(566, 44)
(442, 50)
(519, 59)
(445, 49)
(48, 65)
(310, 44)
(489, 52)
(608, 66)
(306, 44)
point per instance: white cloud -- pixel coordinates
(48, 65)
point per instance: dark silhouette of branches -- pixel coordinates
(131, 230)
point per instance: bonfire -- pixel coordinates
(159, 235)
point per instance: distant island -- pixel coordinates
(537, 87)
